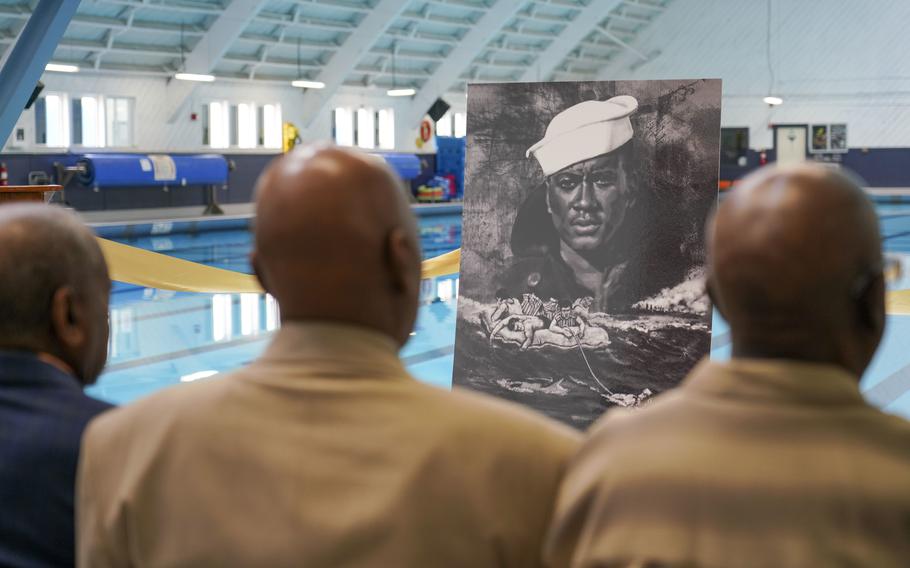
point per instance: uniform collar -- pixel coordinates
(776, 380)
(27, 368)
(329, 349)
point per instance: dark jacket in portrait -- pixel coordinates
(43, 412)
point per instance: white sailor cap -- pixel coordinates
(584, 131)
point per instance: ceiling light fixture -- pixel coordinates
(183, 75)
(771, 99)
(194, 77)
(394, 91)
(60, 68)
(305, 83)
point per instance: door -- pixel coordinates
(790, 144)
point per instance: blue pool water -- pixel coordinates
(161, 338)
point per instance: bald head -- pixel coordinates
(795, 267)
(55, 287)
(336, 240)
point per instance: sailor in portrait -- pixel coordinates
(577, 234)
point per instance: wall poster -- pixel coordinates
(582, 277)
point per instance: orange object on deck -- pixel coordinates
(21, 193)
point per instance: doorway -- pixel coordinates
(790, 144)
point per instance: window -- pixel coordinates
(444, 125)
(387, 129)
(344, 127)
(118, 118)
(222, 317)
(461, 124)
(246, 125)
(88, 121)
(734, 146)
(249, 314)
(52, 124)
(272, 315)
(219, 124)
(270, 136)
(366, 128)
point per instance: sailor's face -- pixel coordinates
(588, 201)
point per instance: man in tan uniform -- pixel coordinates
(773, 458)
(324, 452)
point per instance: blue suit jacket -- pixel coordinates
(42, 414)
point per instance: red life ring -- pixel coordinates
(426, 130)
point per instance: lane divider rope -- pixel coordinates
(138, 266)
(141, 267)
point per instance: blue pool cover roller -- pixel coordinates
(144, 170)
(407, 166)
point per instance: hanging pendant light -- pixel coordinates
(394, 91)
(183, 75)
(771, 99)
(304, 83)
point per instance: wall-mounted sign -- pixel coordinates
(828, 138)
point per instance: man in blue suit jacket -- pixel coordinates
(54, 289)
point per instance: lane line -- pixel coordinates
(173, 355)
(165, 357)
(721, 340)
(429, 355)
(890, 388)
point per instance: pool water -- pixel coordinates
(161, 338)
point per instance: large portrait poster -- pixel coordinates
(582, 276)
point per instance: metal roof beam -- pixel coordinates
(621, 43)
(226, 29)
(460, 58)
(25, 63)
(211, 49)
(348, 56)
(586, 21)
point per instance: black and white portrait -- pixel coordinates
(582, 278)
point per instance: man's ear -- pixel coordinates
(254, 263)
(403, 260)
(870, 304)
(547, 196)
(68, 319)
(712, 295)
(630, 191)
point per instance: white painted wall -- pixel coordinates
(833, 61)
(162, 122)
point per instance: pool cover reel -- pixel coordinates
(151, 170)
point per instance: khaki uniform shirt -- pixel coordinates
(323, 453)
(748, 464)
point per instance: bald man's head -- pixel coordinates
(336, 240)
(54, 288)
(796, 267)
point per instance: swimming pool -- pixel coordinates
(161, 338)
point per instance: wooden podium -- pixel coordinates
(25, 193)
